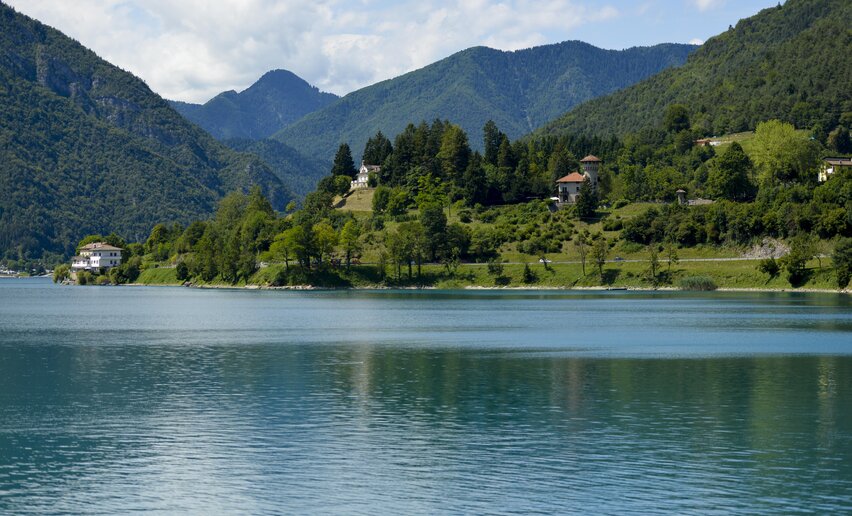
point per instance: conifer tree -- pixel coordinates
(343, 164)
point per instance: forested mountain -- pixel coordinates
(299, 172)
(89, 148)
(792, 62)
(275, 101)
(518, 90)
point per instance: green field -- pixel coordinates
(738, 274)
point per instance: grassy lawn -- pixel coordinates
(358, 200)
(746, 140)
(158, 276)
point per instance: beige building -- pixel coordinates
(569, 186)
(96, 256)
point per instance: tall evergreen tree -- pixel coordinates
(378, 148)
(587, 200)
(343, 163)
(491, 137)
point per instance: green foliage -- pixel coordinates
(842, 258)
(730, 175)
(298, 172)
(600, 249)
(781, 63)
(350, 240)
(182, 271)
(700, 283)
(529, 276)
(794, 263)
(770, 267)
(275, 101)
(85, 278)
(653, 271)
(783, 155)
(518, 90)
(839, 140)
(61, 273)
(587, 200)
(377, 149)
(88, 148)
(676, 118)
(343, 164)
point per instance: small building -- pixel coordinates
(96, 256)
(832, 165)
(362, 179)
(568, 187)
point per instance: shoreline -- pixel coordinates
(493, 288)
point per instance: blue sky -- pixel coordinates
(193, 49)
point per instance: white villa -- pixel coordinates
(95, 256)
(363, 178)
(832, 165)
(569, 186)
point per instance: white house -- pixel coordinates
(832, 165)
(95, 256)
(363, 178)
(569, 186)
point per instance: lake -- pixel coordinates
(180, 400)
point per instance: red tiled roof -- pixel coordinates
(573, 177)
(589, 158)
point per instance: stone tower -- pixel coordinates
(591, 165)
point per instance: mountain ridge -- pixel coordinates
(790, 62)
(277, 99)
(89, 148)
(471, 86)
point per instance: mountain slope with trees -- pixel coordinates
(518, 90)
(299, 172)
(89, 148)
(791, 62)
(275, 101)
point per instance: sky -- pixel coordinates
(191, 50)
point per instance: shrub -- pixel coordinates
(529, 275)
(613, 224)
(61, 273)
(621, 203)
(702, 283)
(769, 266)
(84, 278)
(182, 271)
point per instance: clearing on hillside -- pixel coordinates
(356, 200)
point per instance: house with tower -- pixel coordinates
(569, 186)
(362, 179)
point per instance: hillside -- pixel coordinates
(299, 172)
(791, 62)
(89, 148)
(275, 101)
(518, 90)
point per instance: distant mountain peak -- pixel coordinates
(519, 90)
(274, 101)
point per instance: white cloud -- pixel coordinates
(706, 5)
(696, 41)
(193, 49)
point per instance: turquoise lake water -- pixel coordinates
(180, 400)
